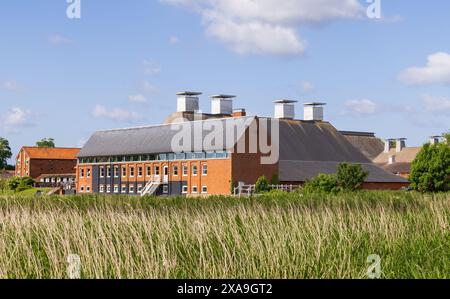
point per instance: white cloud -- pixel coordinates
(149, 87)
(267, 26)
(138, 98)
(57, 39)
(173, 40)
(151, 68)
(307, 86)
(115, 114)
(12, 86)
(436, 104)
(361, 107)
(437, 70)
(16, 118)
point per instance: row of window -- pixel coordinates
(159, 157)
(131, 189)
(107, 171)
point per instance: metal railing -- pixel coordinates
(249, 190)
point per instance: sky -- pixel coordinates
(122, 62)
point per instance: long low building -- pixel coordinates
(218, 151)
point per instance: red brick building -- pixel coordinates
(37, 161)
(144, 160)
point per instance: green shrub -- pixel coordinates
(430, 171)
(351, 177)
(322, 183)
(262, 185)
(275, 180)
(17, 183)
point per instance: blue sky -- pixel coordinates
(121, 64)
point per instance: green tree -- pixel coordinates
(262, 185)
(447, 137)
(5, 153)
(322, 183)
(46, 142)
(430, 171)
(351, 177)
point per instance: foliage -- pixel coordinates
(322, 183)
(266, 237)
(5, 153)
(275, 180)
(447, 137)
(18, 184)
(430, 171)
(233, 186)
(351, 177)
(46, 142)
(262, 185)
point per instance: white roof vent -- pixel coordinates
(187, 101)
(401, 144)
(285, 109)
(314, 111)
(222, 104)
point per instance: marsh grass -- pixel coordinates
(271, 236)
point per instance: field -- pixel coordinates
(272, 236)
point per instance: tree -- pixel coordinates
(322, 183)
(46, 142)
(262, 185)
(5, 153)
(351, 177)
(447, 137)
(430, 171)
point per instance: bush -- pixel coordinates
(275, 180)
(430, 171)
(322, 183)
(262, 185)
(351, 177)
(18, 184)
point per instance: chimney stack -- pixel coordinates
(239, 113)
(388, 145)
(401, 144)
(314, 111)
(187, 101)
(285, 109)
(222, 104)
(392, 159)
(435, 140)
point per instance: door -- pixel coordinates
(166, 174)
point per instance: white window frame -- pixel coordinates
(116, 189)
(108, 188)
(116, 171)
(108, 171)
(132, 172)
(194, 190)
(81, 172)
(131, 189)
(175, 170)
(124, 189)
(82, 189)
(139, 188)
(102, 172)
(140, 171)
(102, 189)
(88, 189)
(185, 189)
(124, 172)
(204, 169)
(88, 173)
(204, 189)
(157, 171)
(185, 170)
(148, 171)
(194, 170)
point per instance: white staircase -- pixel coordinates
(151, 187)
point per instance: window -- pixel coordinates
(131, 188)
(194, 189)
(139, 189)
(82, 189)
(185, 170)
(194, 170)
(140, 171)
(149, 171)
(156, 170)
(204, 169)
(204, 189)
(108, 189)
(165, 189)
(124, 172)
(82, 173)
(116, 188)
(131, 171)
(88, 173)
(102, 172)
(102, 189)
(185, 189)
(108, 172)
(116, 171)
(88, 189)
(124, 188)
(175, 170)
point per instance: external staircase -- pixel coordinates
(151, 187)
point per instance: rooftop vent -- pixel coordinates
(313, 111)
(187, 101)
(285, 109)
(222, 104)
(435, 140)
(392, 159)
(388, 145)
(401, 144)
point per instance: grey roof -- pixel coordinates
(367, 143)
(147, 140)
(316, 141)
(301, 171)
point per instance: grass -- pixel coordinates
(28, 192)
(272, 236)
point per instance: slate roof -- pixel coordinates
(367, 143)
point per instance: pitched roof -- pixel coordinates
(367, 143)
(397, 167)
(301, 171)
(57, 153)
(152, 139)
(407, 155)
